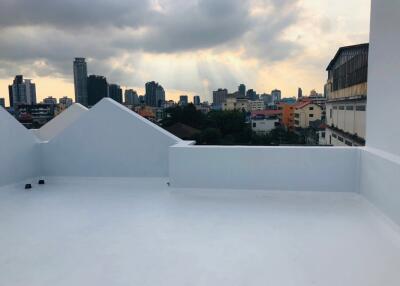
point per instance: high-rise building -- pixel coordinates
(183, 100)
(347, 96)
(80, 81)
(267, 98)
(252, 95)
(196, 100)
(115, 92)
(22, 91)
(50, 100)
(97, 89)
(219, 97)
(242, 90)
(2, 102)
(131, 97)
(65, 102)
(299, 93)
(155, 94)
(276, 95)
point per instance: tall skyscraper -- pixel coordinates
(299, 93)
(97, 89)
(22, 91)
(131, 97)
(242, 90)
(80, 81)
(115, 92)
(196, 100)
(155, 94)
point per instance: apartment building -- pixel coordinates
(305, 113)
(233, 103)
(347, 96)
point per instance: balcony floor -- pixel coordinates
(140, 232)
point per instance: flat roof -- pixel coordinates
(81, 231)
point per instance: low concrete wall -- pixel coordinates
(270, 168)
(379, 181)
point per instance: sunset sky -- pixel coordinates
(189, 46)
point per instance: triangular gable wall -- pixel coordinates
(60, 122)
(19, 152)
(109, 140)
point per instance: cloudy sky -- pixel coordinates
(189, 46)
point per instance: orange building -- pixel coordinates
(287, 116)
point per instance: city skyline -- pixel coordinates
(288, 50)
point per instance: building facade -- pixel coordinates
(155, 94)
(22, 91)
(346, 90)
(131, 97)
(183, 100)
(50, 100)
(115, 92)
(196, 100)
(97, 88)
(2, 102)
(242, 90)
(65, 102)
(80, 81)
(232, 103)
(276, 96)
(256, 105)
(219, 97)
(306, 113)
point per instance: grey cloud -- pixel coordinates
(55, 31)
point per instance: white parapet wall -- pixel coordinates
(19, 152)
(109, 140)
(379, 181)
(265, 168)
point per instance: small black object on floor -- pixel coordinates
(41, 182)
(28, 186)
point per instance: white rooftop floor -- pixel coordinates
(140, 232)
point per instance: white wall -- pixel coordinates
(109, 140)
(270, 168)
(379, 182)
(380, 160)
(55, 126)
(19, 155)
(383, 77)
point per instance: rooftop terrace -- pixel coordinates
(127, 203)
(86, 231)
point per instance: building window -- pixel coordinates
(341, 107)
(330, 113)
(323, 134)
(341, 139)
(311, 108)
(348, 143)
(360, 108)
(254, 125)
(335, 108)
(334, 135)
(297, 122)
(297, 115)
(311, 115)
(349, 107)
